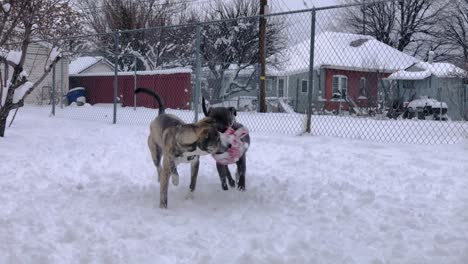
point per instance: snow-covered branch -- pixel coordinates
(11, 57)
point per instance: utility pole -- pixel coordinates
(262, 55)
(364, 17)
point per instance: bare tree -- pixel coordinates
(153, 49)
(235, 42)
(407, 25)
(22, 21)
(455, 31)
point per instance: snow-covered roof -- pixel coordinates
(167, 71)
(345, 51)
(82, 63)
(423, 70)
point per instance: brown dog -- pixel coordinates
(179, 143)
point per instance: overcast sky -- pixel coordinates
(286, 5)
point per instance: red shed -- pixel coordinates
(173, 85)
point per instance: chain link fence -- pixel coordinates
(346, 85)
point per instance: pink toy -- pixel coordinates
(237, 149)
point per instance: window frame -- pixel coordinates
(268, 88)
(340, 88)
(302, 86)
(278, 87)
(408, 84)
(361, 88)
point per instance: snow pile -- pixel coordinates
(89, 195)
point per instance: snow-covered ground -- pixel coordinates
(85, 192)
(386, 130)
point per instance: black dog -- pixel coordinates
(225, 117)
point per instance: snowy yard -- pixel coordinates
(86, 192)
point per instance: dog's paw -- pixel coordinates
(224, 186)
(175, 179)
(241, 185)
(232, 183)
(189, 196)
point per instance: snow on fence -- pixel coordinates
(386, 130)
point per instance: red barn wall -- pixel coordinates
(174, 89)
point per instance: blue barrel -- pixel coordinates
(74, 93)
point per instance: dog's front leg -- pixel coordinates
(224, 173)
(164, 183)
(194, 165)
(240, 173)
(174, 174)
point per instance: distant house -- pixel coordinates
(441, 81)
(347, 71)
(36, 57)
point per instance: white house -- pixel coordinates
(36, 58)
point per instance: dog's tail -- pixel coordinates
(204, 106)
(162, 108)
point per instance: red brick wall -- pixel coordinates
(354, 78)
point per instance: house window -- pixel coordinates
(280, 87)
(340, 86)
(363, 87)
(269, 85)
(408, 84)
(304, 86)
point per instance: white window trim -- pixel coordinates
(284, 86)
(360, 95)
(266, 85)
(339, 82)
(307, 81)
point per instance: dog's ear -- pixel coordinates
(206, 112)
(207, 121)
(233, 111)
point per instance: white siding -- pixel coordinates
(36, 58)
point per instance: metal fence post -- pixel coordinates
(134, 82)
(53, 90)
(259, 84)
(116, 58)
(61, 82)
(197, 72)
(311, 72)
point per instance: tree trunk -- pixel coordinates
(217, 85)
(3, 120)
